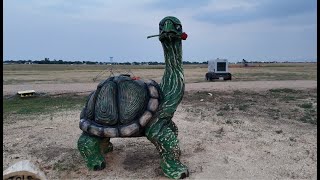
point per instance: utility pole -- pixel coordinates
(111, 66)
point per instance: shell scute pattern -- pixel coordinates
(106, 111)
(132, 98)
(89, 106)
(120, 107)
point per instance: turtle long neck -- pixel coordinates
(172, 83)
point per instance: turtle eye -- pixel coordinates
(178, 27)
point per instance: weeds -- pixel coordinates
(310, 114)
(284, 90)
(226, 107)
(307, 118)
(236, 121)
(243, 107)
(220, 114)
(275, 103)
(41, 104)
(288, 98)
(306, 105)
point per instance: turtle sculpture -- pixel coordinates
(125, 107)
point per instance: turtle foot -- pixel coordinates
(174, 169)
(96, 163)
(90, 150)
(168, 146)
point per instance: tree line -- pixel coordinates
(48, 61)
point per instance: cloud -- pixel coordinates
(228, 12)
(177, 4)
(98, 29)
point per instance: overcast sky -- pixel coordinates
(97, 29)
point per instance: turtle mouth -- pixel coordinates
(167, 35)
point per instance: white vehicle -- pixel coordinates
(218, 69)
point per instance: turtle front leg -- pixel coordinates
(167, 144)
(90, 148)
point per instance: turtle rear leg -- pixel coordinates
(173, 127)
(168, 145)
(91, 148)
(106, 146)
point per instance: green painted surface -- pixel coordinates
(161, 130)
(92, 149)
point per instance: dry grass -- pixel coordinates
(229, 135)
(237, 134)
(276, 104)
(39, 74)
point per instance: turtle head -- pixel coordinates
(171, 25)
(170, 28)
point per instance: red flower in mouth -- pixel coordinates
(184, 36)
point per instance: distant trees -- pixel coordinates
(48, 61)
(188, 62)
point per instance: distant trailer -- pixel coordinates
(218, 69)
(26, 93)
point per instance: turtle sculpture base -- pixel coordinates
(93, 150)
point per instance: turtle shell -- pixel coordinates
(120, 107)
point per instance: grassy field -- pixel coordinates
(237, 132)
(41, 104)
(296, 104)
(30, 74)
(283, 103)
(266, 129)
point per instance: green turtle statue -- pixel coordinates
(122, 106)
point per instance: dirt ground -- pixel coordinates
(239, 131)
(219, 85)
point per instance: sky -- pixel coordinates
(95, 30)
